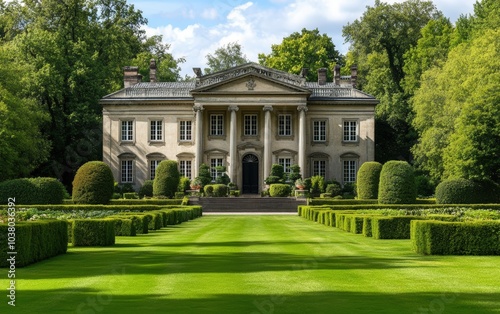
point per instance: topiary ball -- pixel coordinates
(397, 183)
(463, 191)
(368, 179)
(279, 190)
(93, 183)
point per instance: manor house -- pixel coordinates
(245, 118)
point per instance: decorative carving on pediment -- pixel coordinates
(251, 84)
(251, 69)
(249, 145)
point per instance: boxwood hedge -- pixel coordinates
(368, 179)
(93, 232)
(397, 183)
(30, 191)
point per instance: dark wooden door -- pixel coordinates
(250, 174)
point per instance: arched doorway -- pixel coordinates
(250, 174)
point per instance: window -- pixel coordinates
(349, 171)
(285, 125)
(250, 124)
(286, 163)
(319, 131)
(185, 133)
(319, 168)
(185, 168)
(156, 130)
(216, 124)
(153, 164)
(350, 131)
(127, 131)
(215, 162)
(127, 171)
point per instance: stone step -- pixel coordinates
(248, 204)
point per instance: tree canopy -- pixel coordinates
(307, 49)
(225, 57)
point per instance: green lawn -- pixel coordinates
(255, 264)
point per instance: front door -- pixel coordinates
(250, 174)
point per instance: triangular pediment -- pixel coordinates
(251, 78)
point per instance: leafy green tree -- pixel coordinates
(307, 49)
(23, 148)
(379, 41)
(225, 57)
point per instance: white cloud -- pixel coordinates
(256, 26)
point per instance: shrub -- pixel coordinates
(93, 183)
(463, 191)
(184, 184)
(397, 183)
(294, 174)
(209, 190)
(425, 188)
(167, 179)
(33, 191)
(277, 174)
(279, 190)
(220, 190)
(124, 227)
(317, 185)
(93, 232)
(204, 176)
(146, 189)
(35, 241)
(235, 193)
(179, 195)
(368, 179)
(457, 238)
(397, 227)
(130, 196)
(334, 188)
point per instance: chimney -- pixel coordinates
(152, 70)
(336, 74)
(321, 76)
(304, 72)
(131, 76)
(354, 75)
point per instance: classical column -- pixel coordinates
(267, 140)
(233, 160)
(198, 111)
(302, 138)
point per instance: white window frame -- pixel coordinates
(127, 174)
(127, 130)
(215, 162)
(349, 170)
(185, 168)
(285, 124)
(185, 130)
(350, 131)
(153, 165)
(286, 162)
(250, 124)
(156, 130)
(319, 167)
(217, 124)
(319, 130)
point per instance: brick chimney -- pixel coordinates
(321, 76)
(152, 70)
(131, 76)
(336, 74)
(354, 75)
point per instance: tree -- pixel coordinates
(307, 49)
(379, 41)
(457, 113)
(23, 148)
(76, 50)
(225, 57)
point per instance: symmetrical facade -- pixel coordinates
(245, 118)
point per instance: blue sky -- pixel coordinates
(194, 28)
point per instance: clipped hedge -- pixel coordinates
(34, 241)
(456, 238)
(279, 190)
(28, 191)
(124, 227)
(216, 190)
(397, 183)
(397, 227)
(463, 191)
(93, 184)
(166, 179)
(93, 232)
(368, 180)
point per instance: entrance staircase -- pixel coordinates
(244, 204)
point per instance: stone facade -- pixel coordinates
(245, 118)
